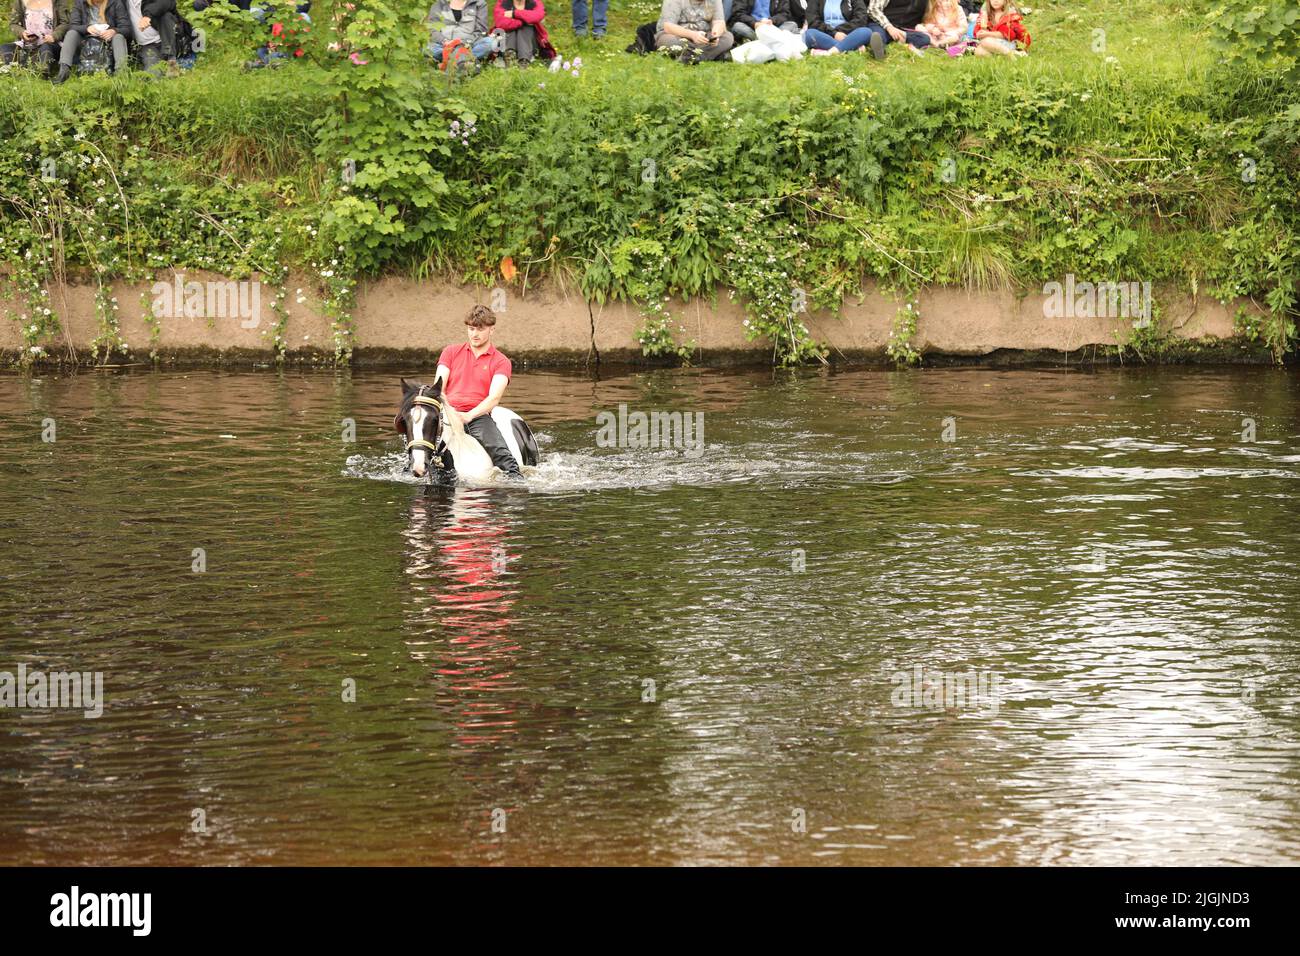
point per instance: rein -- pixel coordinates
(430, 446)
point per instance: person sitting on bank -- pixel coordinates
(459, 21)
(697, 28)
(520, 33)
(945, 22)
(153, 25)
(748, 15)
(837, 26)
(897, 21)
(38, 26)
(474, 377)
(108, 21)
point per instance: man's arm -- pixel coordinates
(876, 10)
(494, 395)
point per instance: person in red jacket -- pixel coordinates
(517, 25)
(999, 29)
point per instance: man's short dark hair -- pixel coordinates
(480, 316)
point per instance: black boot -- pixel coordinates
(65, 71)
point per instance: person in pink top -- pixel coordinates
(944, 22)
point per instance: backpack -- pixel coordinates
(95, 57)
(645, 39)
(184, 50)
(457, 55)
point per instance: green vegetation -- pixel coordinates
(1129, 155)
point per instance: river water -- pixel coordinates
(648, 655)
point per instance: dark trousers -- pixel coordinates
(165, 49)
(44, 54)
(489, 436)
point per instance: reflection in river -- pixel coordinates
(462, 605)
(649, 657)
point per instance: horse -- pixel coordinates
(435, 435)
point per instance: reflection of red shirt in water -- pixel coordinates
(476, 616)
(469, 378)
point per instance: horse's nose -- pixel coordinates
(417, 470)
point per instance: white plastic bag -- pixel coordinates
(783, 44)
(752, 53)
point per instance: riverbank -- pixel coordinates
(404, 321)
(634, 183)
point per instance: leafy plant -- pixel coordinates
(1264, 33)
(657, 339)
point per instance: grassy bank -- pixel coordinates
(1125, 157)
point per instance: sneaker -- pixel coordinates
(598, 36)
(822, 52)
(877, 45)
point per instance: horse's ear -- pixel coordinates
(406, 387)
(437, 388)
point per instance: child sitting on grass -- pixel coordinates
(999, 29)
(944, 22)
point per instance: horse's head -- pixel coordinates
(420, 422)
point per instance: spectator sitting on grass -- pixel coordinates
(698, 28)
(898, 21)
(153, 24)
(837, 26)
(520, 32)
(39, 26)
(747, 15)
(945, 22)
(459, 21)
(108, 21)
(999, 28)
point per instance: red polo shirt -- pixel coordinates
(469, 379)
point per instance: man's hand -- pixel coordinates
(48, 38)
(108, 34)
(840, 36)
(697, 37)
(144, 23)
(898, 35)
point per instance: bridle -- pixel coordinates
(430, 446)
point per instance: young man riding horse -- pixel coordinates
(474, 377)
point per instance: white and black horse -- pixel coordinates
(436, 441)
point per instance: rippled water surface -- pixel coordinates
(1104, 548)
